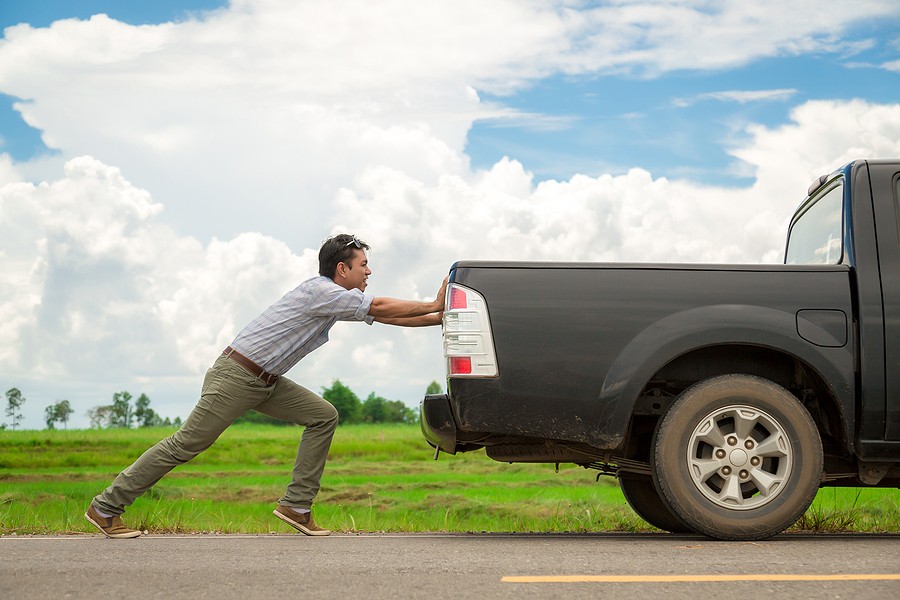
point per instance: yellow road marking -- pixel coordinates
(697, 578)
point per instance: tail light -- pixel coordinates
(468, 344)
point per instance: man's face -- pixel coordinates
(355, 272)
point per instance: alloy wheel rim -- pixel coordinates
(739, 457)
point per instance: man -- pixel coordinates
(249, 375)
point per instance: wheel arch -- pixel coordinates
(685, 348)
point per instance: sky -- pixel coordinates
(169, 169)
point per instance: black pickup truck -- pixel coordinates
(721, 396)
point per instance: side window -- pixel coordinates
(816, 237)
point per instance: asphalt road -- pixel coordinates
(449, 566)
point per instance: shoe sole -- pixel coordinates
(119, 536)
(299, 527)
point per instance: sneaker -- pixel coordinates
(302, 522)
(112, 527)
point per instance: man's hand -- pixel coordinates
(442, 294)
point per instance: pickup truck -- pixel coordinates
(722, 397)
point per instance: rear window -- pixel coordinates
(816, 237)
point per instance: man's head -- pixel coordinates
(342, 257)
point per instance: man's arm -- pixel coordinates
(409, 313)
(420, 321)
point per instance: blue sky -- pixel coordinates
(187, 158)
(40, 13)
(613, 122)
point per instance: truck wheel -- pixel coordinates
(737, 457)
(645, 501)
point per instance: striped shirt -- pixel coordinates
(297, 324)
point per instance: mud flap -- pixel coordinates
(438, 424)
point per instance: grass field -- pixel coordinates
(378, 478)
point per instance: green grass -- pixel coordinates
(378, 478)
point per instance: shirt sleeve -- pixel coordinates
(345, 305)
(362, 313)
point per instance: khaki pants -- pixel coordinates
(228, 392)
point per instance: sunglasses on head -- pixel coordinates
(354, 242)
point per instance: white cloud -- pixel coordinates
(821, 136)
(655, 38)
(739, 96)
(8, 173)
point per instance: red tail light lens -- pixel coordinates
(460, 365)
(458, 298)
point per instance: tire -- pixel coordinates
(737, 457)
(645, 501)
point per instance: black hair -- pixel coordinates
(338, 249)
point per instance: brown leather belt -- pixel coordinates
(265, 377)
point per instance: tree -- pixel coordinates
(144, 415)
(63, 412)
(50, 416)
(378, 410)
(344, 400)
(14, 402)
(434, 388)
(374, 409)
(142, 409)
(57, 412)
(398, 412)
(100, 416)
(122, 414)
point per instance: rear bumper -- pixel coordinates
(438, 424)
